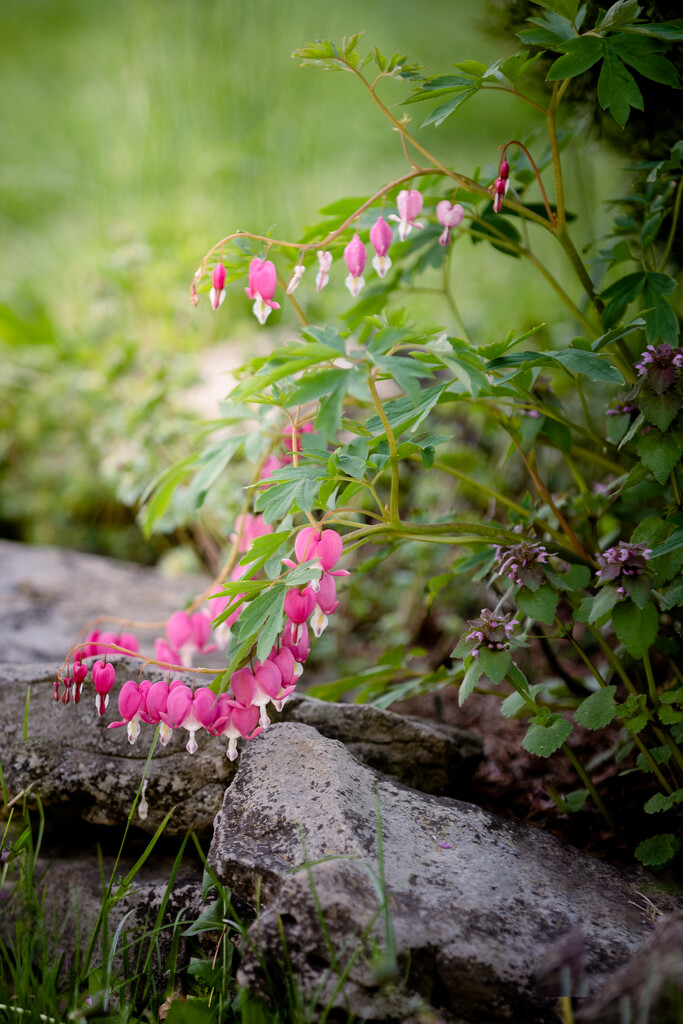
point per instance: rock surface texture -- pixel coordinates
(472, 902)
(79, 766)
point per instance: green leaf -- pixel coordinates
(565, 8)
(518, 64)
(673, 596)
(660, 409)
(579, 55)
(351, 465)
(658, 851)
(638, 589)
(660, 802)
(576, 800)
(620, 13)
(163, 488)
(494, 663)
(212, 463)
(540, 605)
(515, 703)
(660, 452)
(616, 298)
(210, 920)
(644, 54)
(617, 332)
(661, 320)
(589, 364)
(544, 738)
(636, 627)
(445, 110)
(617, 89)
(401, 412)
(264, 616)
(470, 680)
(576, 578)
(598, 710)
(318, 384)
(603, 603)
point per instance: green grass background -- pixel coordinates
(138, 132)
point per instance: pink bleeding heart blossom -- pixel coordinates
(324, 591)
(355, 257)
(132, 707)
(450, 215)
(247, 529)
(233, 720)
(259, 687)
(409, 205)
(300, 647)
(99, 643)
(325, 546)
(381, 236)
(262, 285)
(324, 264)
(293, 282)
(187, 635)
(217, 293)
(156, 706)
(191, 711)
(103, 677)
(501, 185)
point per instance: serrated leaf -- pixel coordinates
(660, 452)
(617, 89)
(318, 384)
(620, 13)
(658, 851)
(598, 710)
(660, 409)
(472, 676)
(661, 802)
(579, 55)
(540, 605)
(636, 627)
(576, 578)
(495, 663)
(543, 739)
(673, 596)
(565, 8)
(638, 589)
(351, 465)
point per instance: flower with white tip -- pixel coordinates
(409, 205)
(355, 257)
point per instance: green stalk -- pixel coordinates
(651, 685)
(586, 779)
(674, 225)
(394, 517)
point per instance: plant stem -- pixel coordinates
(585, 778)
(394, 517)
(651, 685)
(674, 224)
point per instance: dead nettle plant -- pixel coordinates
(583, 556)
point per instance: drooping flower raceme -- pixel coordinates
(186, 635)
(381, 236)
(217, 293)
(409, 205)
(261, 288)
(355, 257)
(449, 215)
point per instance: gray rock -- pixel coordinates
(48, 594)
(299, 834)
(647, 988)
(80, 767)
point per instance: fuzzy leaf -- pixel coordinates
(495, 663)
(658, 850)
(543, 739)
(589, 364)
(598, 710)
(660, 802)
(515, 703)
(660, 452)
(540, 605)
(660, 409)
(636, 627)
(661, 320)
(472, 676)
(603, 603)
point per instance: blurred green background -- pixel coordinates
(135, 135)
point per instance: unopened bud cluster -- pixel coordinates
(522, 564)
(491, 630)
(621, 562)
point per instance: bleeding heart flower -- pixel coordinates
(409, 205)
